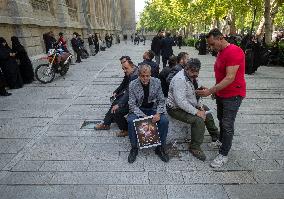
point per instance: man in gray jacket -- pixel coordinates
(184, 105)
(146, 98)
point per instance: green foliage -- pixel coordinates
(176, 14)
(279, 19)
(189, 41)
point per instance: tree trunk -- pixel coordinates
(233, 29)
(268, 22)
(260, 29)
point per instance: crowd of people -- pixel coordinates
(176, 90)
(256, 51)
(15, 66)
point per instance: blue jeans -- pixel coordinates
(227, 109)
(163, 125)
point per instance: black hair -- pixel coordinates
(172, 61)
(181, 55)
(60, 34)
(151, 54)
(193, 63)
(2, 40)
(124, 57)
(215, 33)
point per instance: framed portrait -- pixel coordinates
(147, 132)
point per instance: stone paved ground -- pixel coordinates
(45, 154)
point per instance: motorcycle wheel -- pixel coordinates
(64, 69)
(43, 74)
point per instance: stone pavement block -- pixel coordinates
(196, 192)
(259, 164)
(137, 192)
(100, 178)
(27, 178)
(54, 192)
(271, 154)
(259, 191)
(276, 176)
(5, 159)
(281, 164)
(28, 166)
(166, 177)
(29, 132)
(104, 139)
(12, 145)
(118, 165)
(64, 166)
(218, 177)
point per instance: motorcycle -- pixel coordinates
(58, 62)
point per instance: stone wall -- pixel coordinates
(30, 19)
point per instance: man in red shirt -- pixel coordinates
(230, 89)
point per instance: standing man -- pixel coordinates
(91, 42)
(179, 40)
(156, 46)
(230, 89)
(76, 47)
(167, 48)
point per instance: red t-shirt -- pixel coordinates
(232, 55)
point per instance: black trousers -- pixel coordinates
(78, 52)
(165, 60)
(227, 109)
(117, 117)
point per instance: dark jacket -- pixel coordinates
(156, 45)
(26, 67)
(91, 41)
(163, 78)
(10, 68)
(124, 97)
(173, 72)
(167, 47)
(75, 44)
(154, 67)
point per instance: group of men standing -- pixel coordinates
(140, 94)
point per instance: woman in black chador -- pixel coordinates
(9, 66)
(26, 67)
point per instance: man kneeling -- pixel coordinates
(184, 105)
(146, 98)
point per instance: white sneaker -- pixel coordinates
(215, 145)
(219, 161)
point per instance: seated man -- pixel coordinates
(119, 107)
(184, 105)
(182, 58)
(147, 59)
(164, 74)
(146, 98)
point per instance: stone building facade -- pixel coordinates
(30, 19)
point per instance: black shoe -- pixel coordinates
(199, 154)
(160, 151)
(133, 154)
(5, 94)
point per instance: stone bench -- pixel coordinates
(178, 131)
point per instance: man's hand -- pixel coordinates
(201, 114)
(114, 108)
(156, 118)
(203, 93)
(114, 94)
